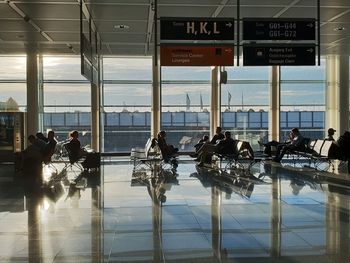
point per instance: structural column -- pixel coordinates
(275, 104)
(216, 235)
(102, 111)
(215, 111)
(276, 216)
(41, 92)
(156, 99)
(95, 116)
(32, 118)
(337, 93)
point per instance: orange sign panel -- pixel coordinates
(219, 55)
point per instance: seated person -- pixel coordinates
(31, 158)
(41, 136)
(330, 135)
(74, 147)
(224, 146)
(217, 136)
(50, 146)
(167, 150)
(38, 141)
(205, 139)
(343, 143)
(297, 143)
(34, 149)
(268, 146)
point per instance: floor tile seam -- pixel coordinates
(311, 245)
(291, 228)
(175, 231)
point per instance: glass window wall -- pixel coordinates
(127, 102)
(303, 95)
(185, 105)
(245, 103)
(13, 95)
(67, 98)
(185, 100)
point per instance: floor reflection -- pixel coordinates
(157, 183)
(193, 214)
(42, 198)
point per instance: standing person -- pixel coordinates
(330, 135)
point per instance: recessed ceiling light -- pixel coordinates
(121, 27)
(339, 28)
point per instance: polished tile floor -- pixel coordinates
(281, 214)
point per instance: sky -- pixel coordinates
(134, 70)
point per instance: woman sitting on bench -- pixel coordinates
(74, 147)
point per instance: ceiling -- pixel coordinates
(53, 27)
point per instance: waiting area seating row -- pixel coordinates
(26, 162)
(318, 152)
(243, 157)
(151, 156)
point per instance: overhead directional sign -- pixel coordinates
(279, 29)
(187, 55)
(279, 55)
(172, 28)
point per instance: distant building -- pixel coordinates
(9, 105)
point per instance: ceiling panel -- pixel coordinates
(128, 50)
(187, 2)
(65, 37)
(117, 2)
(44, 1)
(188, 11)
(310, 12)
(57, 48)
(51, 11)
(22, 36)
(60, 20)
(324, 3)
(279, 3)
(330, 38)
(15, 25)
(60, 26)
(259, 12)
(340, 50)
(119, 12)
(7, 12)
(332, 28)
(123, 38)
(344, 18)
(134, 26)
